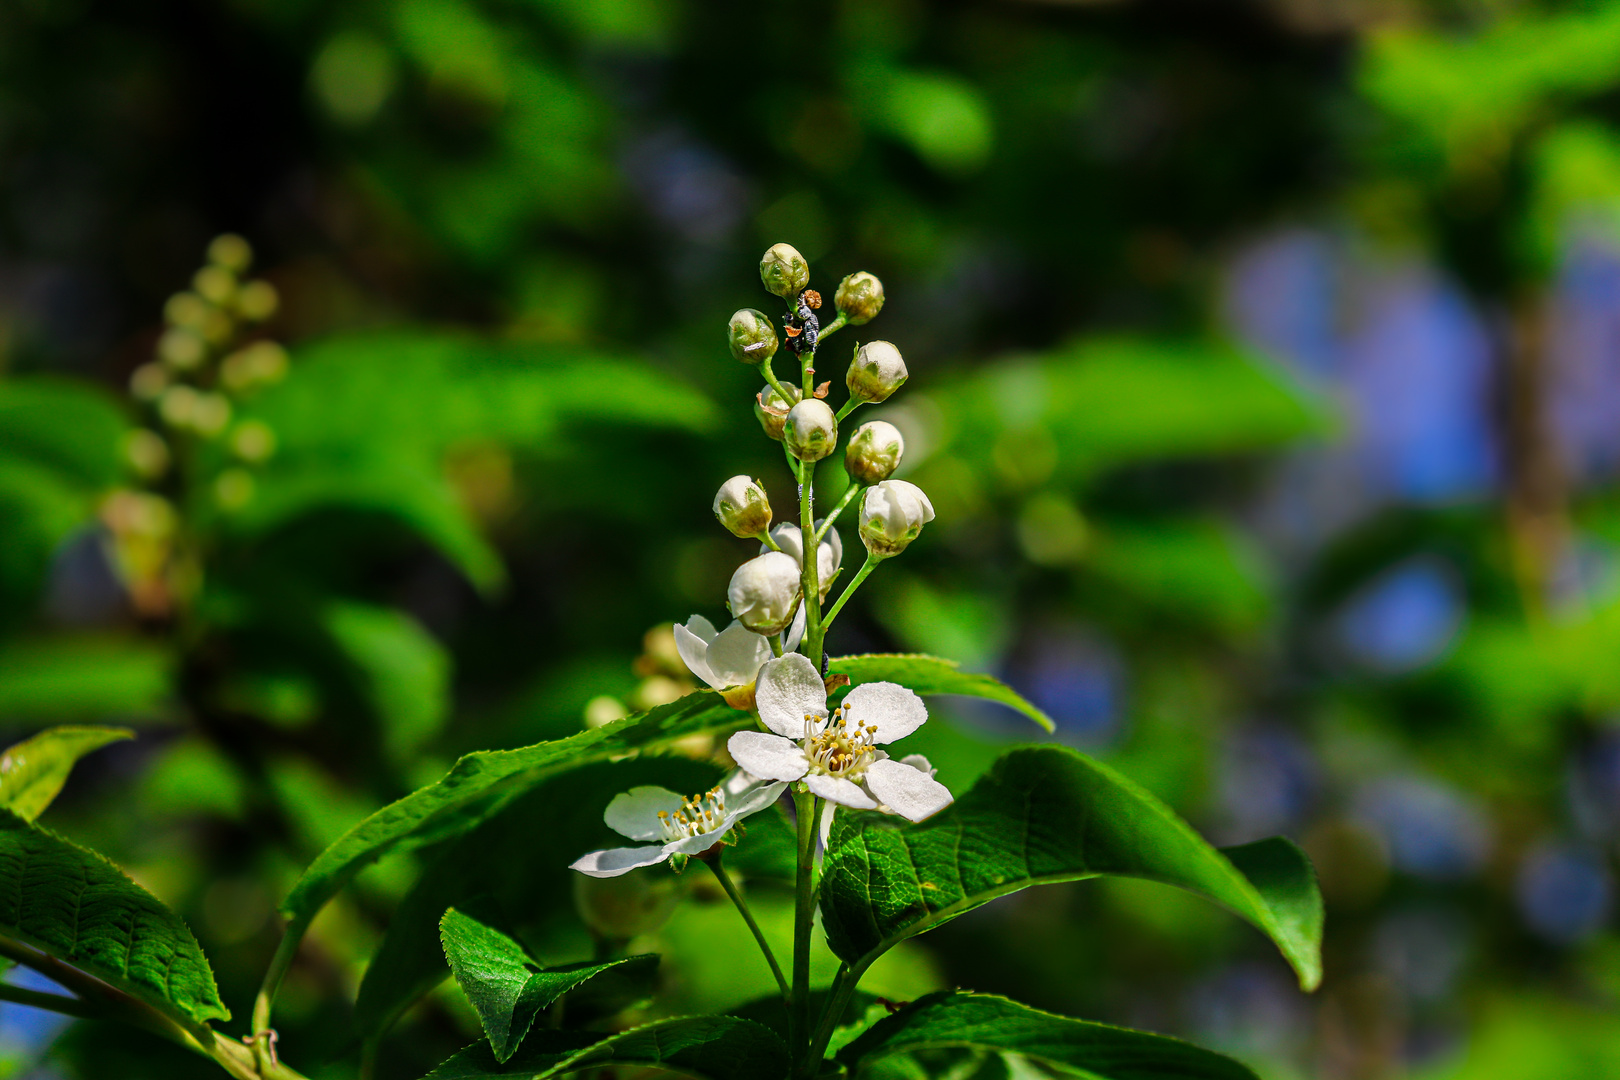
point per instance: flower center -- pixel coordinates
(843, 749)
(699, 814)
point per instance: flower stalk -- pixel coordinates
(711, 859)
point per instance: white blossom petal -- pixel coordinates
(919, 762)
(827, 813)
(767, 756)
(795, 633)
(694, 844)
(736, 654)
(844, 792)
(634, 813)
(752, 799)
(907, 791)
(694, 648)
(789, 689)
(615, 861)
(896, 711)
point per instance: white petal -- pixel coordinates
(896, 711)
(734, 657)
(908, 792)
(841, 791)
(702, 628)
(837, 543)
(790, 539)
(827, 813)
(789, 689)
(752, 800)
(767, 756)
(616, 861)
(694, 650)
(925, 509)
(920, 763)
(634, 813)
(694, 844)
(795, 633)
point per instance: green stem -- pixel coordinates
(776, 643)
(849, 590)
(843, 988)
(832, 327)
(766, 539)
(56, 1003)
(808, 808)
(748, 917)
(848, 407)
(770, 380)
(810, 570)
(849, 497)
(279, 963)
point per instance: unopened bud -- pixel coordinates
(215, 284)
(181, 348)
(859, 298)
(811, 430)
(253, 441)
(741, 506)
(829, 554)
(146, 453)
(148, 381)
(231, 252)
(892, 514)
(753, 338)
(784, 271)
(773, 411)
(873, 452)
(260, 363)
(186, 309)
(177, 405)
(257, 301)
(764, 592)
(626, 906)
(210, 413)
(876, 372)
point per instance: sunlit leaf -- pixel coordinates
(1043, 815)
(933, 675)
(404, 672)
(982, 1021)
(33, 771)
(507, 988)
(74, 906)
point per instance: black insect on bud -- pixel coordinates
(803, 326)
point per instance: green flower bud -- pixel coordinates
(231, 252)
(873, 452)
(764, 593)
(876, 372)
(210, 414)
(753, 338)
(146, 453)
(625, 906)
(215, 284)
(150, 380)
(257, 301)
(741, 506)
(182, 349)
(859, 298)
(892, 514)
(773, 411)
(811, 430)
(784, 271)
(253, 441)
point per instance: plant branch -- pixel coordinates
(56, 1003)
(808, 808)
(748, 917)
(849, 590)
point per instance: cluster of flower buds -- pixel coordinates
(770, 594)
(207, 364)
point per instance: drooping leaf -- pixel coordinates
(1042, 815)
(708, 1047)
(507, 988)
(553, 823)
(405, 673)
(33, 771)
(933, 675)
(983, 1021)
(74, 906)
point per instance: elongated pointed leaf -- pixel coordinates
(986, 1022)
(78, 908)
(507, 988)
(710, 1047)
(34, 770)
(1048, 814)
(933, 675)
(480, 784)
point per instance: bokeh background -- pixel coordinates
(1265, 375)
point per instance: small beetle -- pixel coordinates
(803, 327)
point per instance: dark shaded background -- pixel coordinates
(1265, 374)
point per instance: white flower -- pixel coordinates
(838, 757)
(892, 514)
(764, 592)
(916, 761)
(810, 431)
(727, 659)
(741, 506)
(675, 825)
(876, 372)
(829, 553)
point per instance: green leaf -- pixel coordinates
(480, 784)
(77, 908)
(71, 428)
(405, 673)
(710, 1047)
(82, 678)
(933, 675)
(34, 770)
(1042, 815)
(982, 1021)
(552, 824)
(507, 988)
